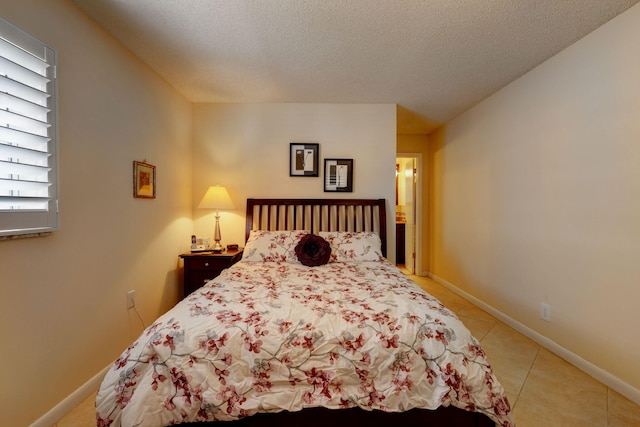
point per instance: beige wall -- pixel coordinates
(536, 199)
(63, 315)
(245, 147)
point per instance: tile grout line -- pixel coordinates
(606, 405)
(495, 323)
(526, 378)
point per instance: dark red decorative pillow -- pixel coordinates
(313, 250)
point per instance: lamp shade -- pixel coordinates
(216, 198)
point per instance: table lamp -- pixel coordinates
(216, 198)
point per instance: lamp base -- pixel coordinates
(217, 247)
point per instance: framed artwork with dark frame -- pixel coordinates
(338, 175)
(303, 159)
(144, 180)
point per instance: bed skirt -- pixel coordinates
(322, 417)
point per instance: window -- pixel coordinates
(28, 134)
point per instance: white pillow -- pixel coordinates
(272, 246)
(347, 246)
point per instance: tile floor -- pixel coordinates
(543, 389)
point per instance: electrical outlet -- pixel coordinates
(131, 299)
(545, 312)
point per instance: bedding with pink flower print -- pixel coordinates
(348, 246)
(272, 246)
(273, 336)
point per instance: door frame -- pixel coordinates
(418, 210)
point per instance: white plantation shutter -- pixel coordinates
(28, 134)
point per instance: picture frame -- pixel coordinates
(303, 159)
(144, 180)
(338, 175)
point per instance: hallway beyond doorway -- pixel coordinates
(408, 211)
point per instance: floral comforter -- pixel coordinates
(271, 336)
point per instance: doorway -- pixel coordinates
(408, 211)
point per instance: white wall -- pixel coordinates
(245, 148)
(63, 314)
(536, 199)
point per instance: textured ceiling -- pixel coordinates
(434, 58)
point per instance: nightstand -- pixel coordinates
(200, 267)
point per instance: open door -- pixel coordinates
(407, 211)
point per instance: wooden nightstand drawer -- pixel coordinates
(200, 278)
(199, 268)
(208, 263)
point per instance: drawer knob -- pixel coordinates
(206, 264)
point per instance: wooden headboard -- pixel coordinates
(318, 215)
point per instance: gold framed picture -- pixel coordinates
(144, 180)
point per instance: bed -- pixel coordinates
(312, 326)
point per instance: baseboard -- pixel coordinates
(589, 368)
(74, 399)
